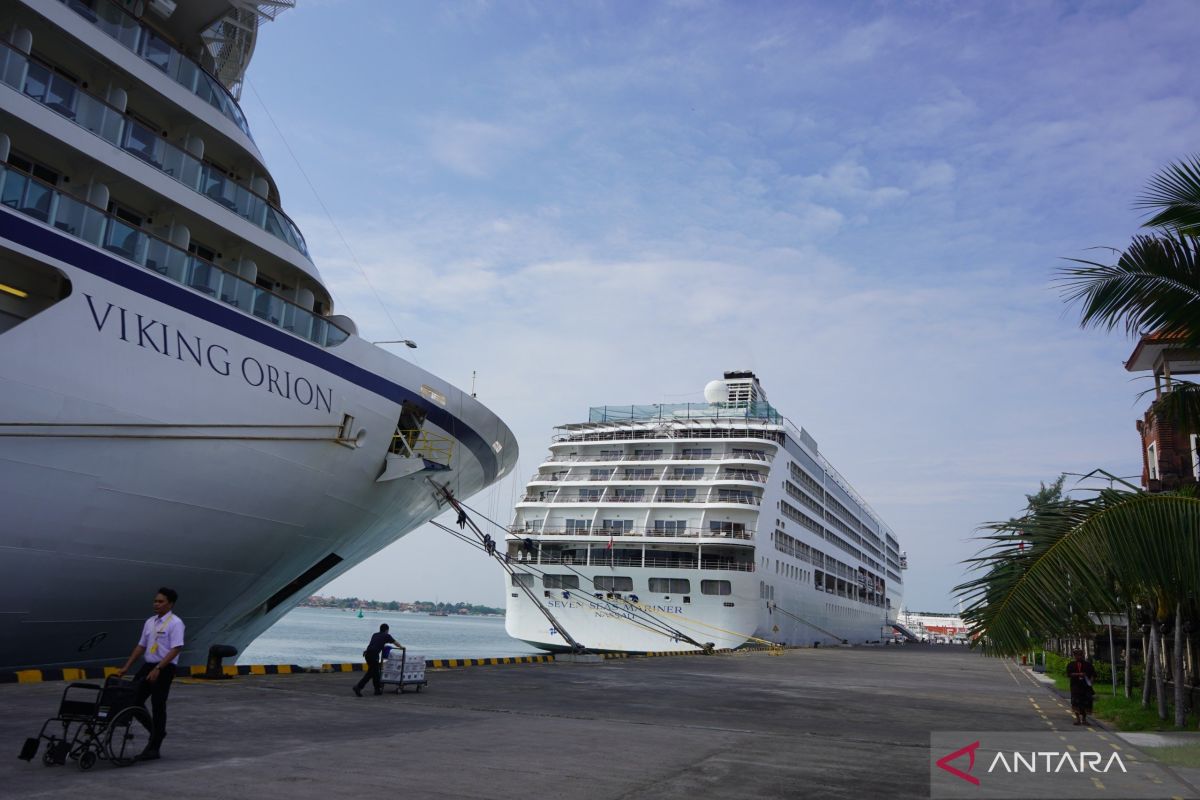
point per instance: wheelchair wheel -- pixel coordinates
(87, 759)
(128, 734)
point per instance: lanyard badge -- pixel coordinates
(159, 632)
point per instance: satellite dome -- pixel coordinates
(716, 392)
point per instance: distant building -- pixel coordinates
(1169, 453)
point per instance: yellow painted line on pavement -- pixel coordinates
(1096, 782)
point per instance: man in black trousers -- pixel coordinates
(160, 643)
(372, 655)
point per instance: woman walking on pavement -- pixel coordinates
(1082, 675)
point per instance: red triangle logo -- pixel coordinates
(969, 750)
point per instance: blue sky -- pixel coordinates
(596, 202)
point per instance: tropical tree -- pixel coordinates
(1154, 286)
(1120, 547)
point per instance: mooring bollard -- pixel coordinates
(214, 670)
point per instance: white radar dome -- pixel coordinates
(716, 392)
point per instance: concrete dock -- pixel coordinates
(839, 722)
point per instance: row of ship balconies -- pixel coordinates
(665, 474)
(91, 223)
(151, 47)
(107, 119)
(667, 494)
(716, 530)
(685, 454)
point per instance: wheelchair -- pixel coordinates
(93, 723)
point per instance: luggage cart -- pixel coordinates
(94, 722)
(401, 669)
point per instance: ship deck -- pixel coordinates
(837, 722)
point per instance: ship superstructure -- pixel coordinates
(669, 527)
(180, 404)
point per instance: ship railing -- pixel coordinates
(157, 51)
(740, 499)
(43, 202)
(750, 456)
(683, 433)
(722, 477)
(435, 447)
(655, 563)
(677, 533)
(40, 82)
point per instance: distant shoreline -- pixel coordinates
(395, 606)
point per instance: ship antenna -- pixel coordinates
(472, 383)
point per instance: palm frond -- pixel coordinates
(1154, 286)
(1076, 555)
(1176, 193)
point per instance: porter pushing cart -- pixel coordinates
(400, 669)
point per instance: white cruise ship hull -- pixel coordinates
(153, 436)
(687, 526)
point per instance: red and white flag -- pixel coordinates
(610, 541)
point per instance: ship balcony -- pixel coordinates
(43, 202)
(41, 83)
(156, 51)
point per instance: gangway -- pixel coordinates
(905, 632)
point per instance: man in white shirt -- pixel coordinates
(162, 639)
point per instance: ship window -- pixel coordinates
(614, 455)
(676, 495)
(639, 474)
(670, 525)
(716, 587)
(39, 171)
(599, 474)
(616, 525)
(670, 585)
(613, 583)
(721, 528)
(522, 579)
(560, 581)
(577, 525)
(688, 473)
(697, 452)
(647, 455)
(630, 495)
(202, 251)
(587, 495)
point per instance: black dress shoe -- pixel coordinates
(358, 691)
(147, 755)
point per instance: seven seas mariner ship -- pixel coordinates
(179, 403)
(677, 527)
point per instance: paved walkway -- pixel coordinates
(836, 723)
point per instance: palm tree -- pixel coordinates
(1154, 286)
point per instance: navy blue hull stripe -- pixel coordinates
(71, 251)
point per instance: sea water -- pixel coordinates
(315, 636)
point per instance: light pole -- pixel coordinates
(405, 342)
